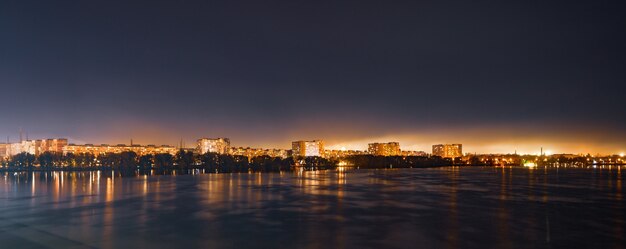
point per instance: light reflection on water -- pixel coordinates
(452, 207)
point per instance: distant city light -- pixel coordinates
(548, 152)
(529, 164)
(621, 154)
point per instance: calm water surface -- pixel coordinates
(470, 207)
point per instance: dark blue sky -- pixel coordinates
(486, 73)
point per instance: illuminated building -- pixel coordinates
(108, 149)
(213, 145)
(255, 152)
(384, 149)
(568, 156)
(307, 148)
(52, 145)
(16, 148)
(26, 146)
(4, 150)
(492, 159)
(342, 153)
(413, 153)
(34, 147)
(448, 150)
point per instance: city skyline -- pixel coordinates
(360, 145)
(312, 124)
(494, 75)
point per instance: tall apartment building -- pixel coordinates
(448, 150)
(34, 147)
(307, 148)
(213, 145)
(52, 145)
(4, 150)
(384, 149)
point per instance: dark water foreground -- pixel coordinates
(471, 207)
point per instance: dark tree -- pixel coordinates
(146, 161)
(128, 161)
(163, 161)
(23, 160)
(184, 159)
(45, 160)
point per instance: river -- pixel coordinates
(449, 207)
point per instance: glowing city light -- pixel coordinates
(621, 154)
(530, 164)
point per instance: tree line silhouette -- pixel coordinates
(210, 162)
(131, 161)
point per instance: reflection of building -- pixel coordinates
(108, 149)
(342, 153)
(448, 150)
(307, 148)
(384, 149)
(213, 145)
(254, 152)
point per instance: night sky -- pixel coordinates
(497, 76)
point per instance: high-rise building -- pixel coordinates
(213, 145)
(384, 149)
(448, 150)
(52, 145)
(16, 148)
(4, 150)
(307, 148)
(35, 147)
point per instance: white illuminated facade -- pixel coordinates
(34, 147)
(308, 148)
(213, 145)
